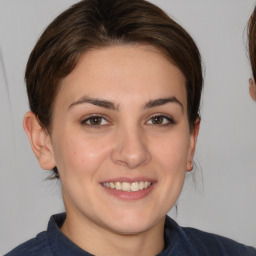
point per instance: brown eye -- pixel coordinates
(95, 121)
(157, 120)
(160, 120)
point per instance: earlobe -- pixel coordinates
(193, 140)
(190, 166)
(40, 141)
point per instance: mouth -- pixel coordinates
(128, 186)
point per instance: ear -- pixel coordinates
(40, 141)
(192, 145)
(252, 89)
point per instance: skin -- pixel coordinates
(252, 89)
(136, 137)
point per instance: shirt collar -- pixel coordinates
(175, 239)
(60, 245)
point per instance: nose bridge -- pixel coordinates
(131, 147)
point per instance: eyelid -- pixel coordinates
(170, 119)
(85, 119)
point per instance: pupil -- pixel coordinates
(157, 120)
(95, 120)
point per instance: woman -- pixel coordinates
(114, 89)
(252, 52)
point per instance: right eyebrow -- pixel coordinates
(94, 101)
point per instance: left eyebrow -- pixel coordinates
(163, 101)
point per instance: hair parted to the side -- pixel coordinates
(252, 42)
(91, 24)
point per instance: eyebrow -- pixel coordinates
(163, 101)
(97, 102)
(110, 105)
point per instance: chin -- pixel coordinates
(132, 225)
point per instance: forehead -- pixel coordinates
(117, 72)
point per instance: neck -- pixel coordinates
(101, 241)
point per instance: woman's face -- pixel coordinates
(121, 139)
(252, 88)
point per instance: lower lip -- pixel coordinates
(130, 195)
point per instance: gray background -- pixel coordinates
(220, 197)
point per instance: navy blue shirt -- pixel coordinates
(178, 242)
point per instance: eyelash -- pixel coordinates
(166, 121)
(94, 117)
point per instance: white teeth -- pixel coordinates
(135, 186)
(141, 185)
(118, 186)
(126, 186)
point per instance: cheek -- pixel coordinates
(170, 160)
(172, 152)
(79, 155)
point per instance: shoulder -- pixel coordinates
(37, 246)
(212, 244)
(198, 242)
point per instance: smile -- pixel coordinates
(128, 187)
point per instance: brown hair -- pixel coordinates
(252, 41)
(100, 23)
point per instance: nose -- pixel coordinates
(131, 148)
